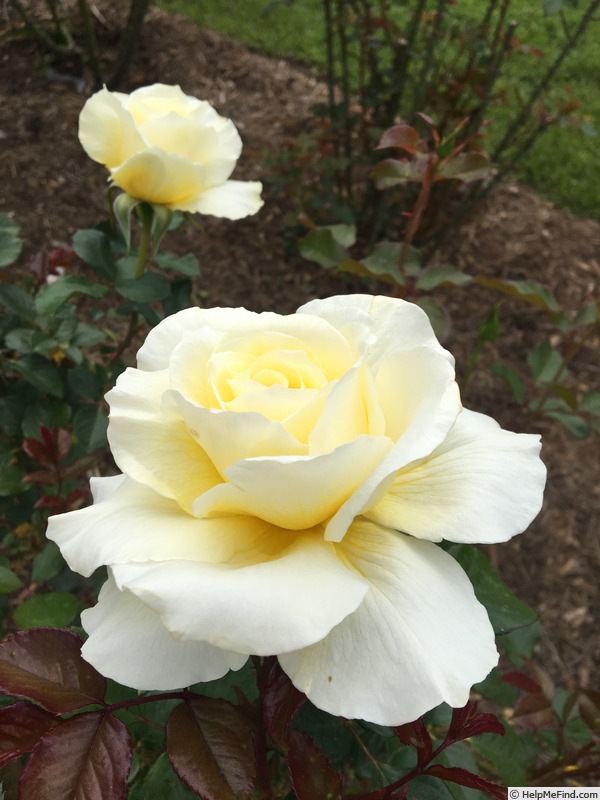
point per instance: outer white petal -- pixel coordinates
(280, 603)
(232, 200)
(419, 638)
(150, 441)
(107, 131)
(210, 323)
(377, 326)
(482, 484)
(128, 643)
(135, 524)
(420, 402)
(295, 492)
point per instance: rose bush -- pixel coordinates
(164, 147)
(284, 482)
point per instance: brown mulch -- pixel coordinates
(52, 189)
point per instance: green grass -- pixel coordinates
(563, 165)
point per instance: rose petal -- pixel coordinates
(206, 324)
(420, 401)
(277, 601)
(232, 200)
(217, 147)
(482, 484)
(377, 326)
(419, 638)
(159, 99)
(150, 441)
(134, 524)
(295, 492)
(351, 409)
(107, 131)
(162, 178)
(128, 643)
(227, 436)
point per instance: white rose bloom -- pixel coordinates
(284, 481)
(164, 147)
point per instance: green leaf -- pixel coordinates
(505, 610)
(53, 610)
(47, 564)
(544, 362)
(89, 428)
(9, 582)
(465, 167)
(51, 297)
(185, 265)
(576, 425)
(17, 302)
(392, 172)
(510, 755)
(438, 316)
(84, 383)
(444, 273)
(328, 245)
(11, 477)
(147, 289)
(590, 403)
(11, 414)
(489, 329)
(94, 247)
(384, 262)
(531, 292)
(41, 373)
(161, 782)
(21, 339)
(10, 243)
(51, 413)
(512, 378)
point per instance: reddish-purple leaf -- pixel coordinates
(21, 725)
(533, 712)
(38, 451)
(415, 734)
(522, 681)
(402, 136)
(467, 722)
(210, 746)
(281, 700)
(43, 476)
(86, 757)
(312, 776)
(466, 778)
(45, 665)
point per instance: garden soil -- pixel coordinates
(51, 189)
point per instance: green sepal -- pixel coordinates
(161, 222)
(123, 207)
